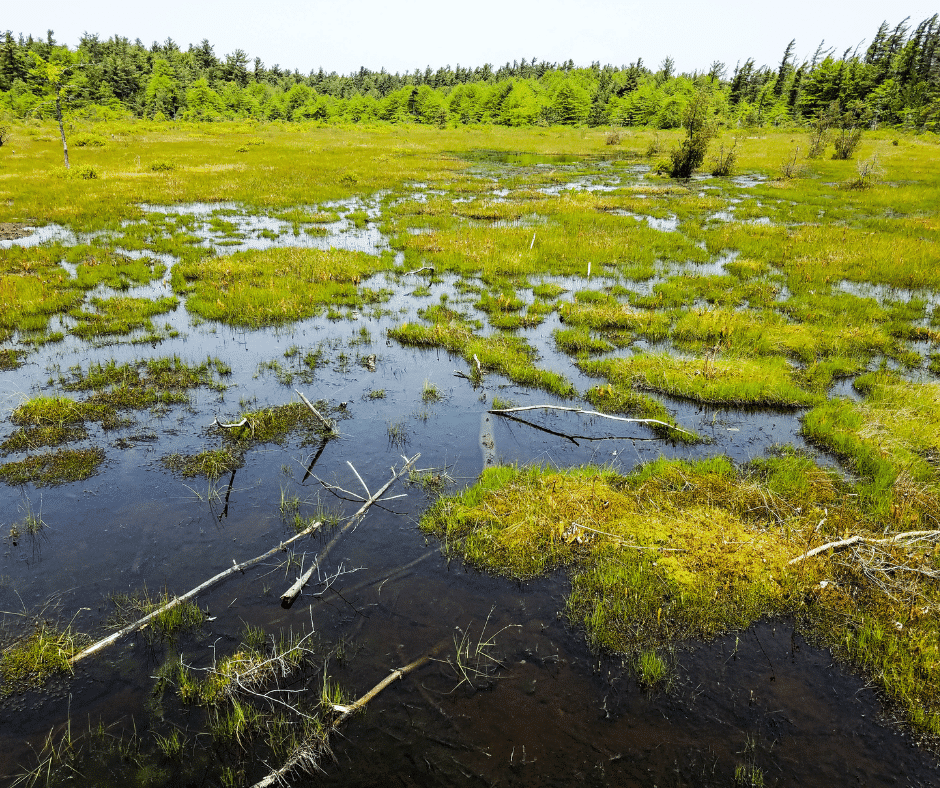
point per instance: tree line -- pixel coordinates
(894, 81)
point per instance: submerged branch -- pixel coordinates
(300, 758)
(573, 438)
(116, 636)
(288, 597)
(504, 411)
(324, 421)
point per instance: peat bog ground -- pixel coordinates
(631, 600)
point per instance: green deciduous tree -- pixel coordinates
(57, 80)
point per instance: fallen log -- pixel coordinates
(867, 540)
(291, 594)
(116, 636)
(504, 411)
(573, 438)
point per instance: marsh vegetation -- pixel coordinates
(159, 323)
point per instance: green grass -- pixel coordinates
(766, 382)
(59, 467)
(678, 550)
(503, 353)
(891, 440)
(29, 661)
(266, 425)
(10, 358)
(120, 316)
(212, 463)
(275, 286)
(30, 438)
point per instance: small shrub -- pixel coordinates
(820, 133)
(869, 173)
(5, 135)
(613, 138)
(162, 165)
(791, 167)
(725, 160)
(700, 126)
(83, 173)
(846, 143)
(655, 147)
(87, 141)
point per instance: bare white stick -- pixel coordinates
(533, 242)
(113, 638)
(288, 597)
(368, 494)
(218, 423)
(589, 413)
(326, 422)
(299, 755)
(856, 539)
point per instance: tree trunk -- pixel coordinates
(58, 115)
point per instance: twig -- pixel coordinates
(503, 411)
(218, 423)
(867, 540)
(326, 422)
(300, 756)
(419, 270)
(359, 478)
(288, 597)
(113, 638)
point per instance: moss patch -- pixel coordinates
(680, 550)
(60, 467)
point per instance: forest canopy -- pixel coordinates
(895, 81)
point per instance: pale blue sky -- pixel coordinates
(342, 36)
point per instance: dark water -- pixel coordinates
(553, 714)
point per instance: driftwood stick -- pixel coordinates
(116, 636)
(574, 438)
(326, 422)
(419, 270)
(868, 540)
(300, 759)
(503, 411)
(218, 423)
(347, 711)
(368, 493)
(288, 597)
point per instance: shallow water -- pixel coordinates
(553, 714)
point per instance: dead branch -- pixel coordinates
(324, 421)
(301, 757)
(419, 270)
(288, 597)
(116, 636)
(867, 540)
(504, 411)
(573, 438)
(217, 423)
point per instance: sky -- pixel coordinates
(402, 36)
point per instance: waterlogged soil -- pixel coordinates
(547, 711)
